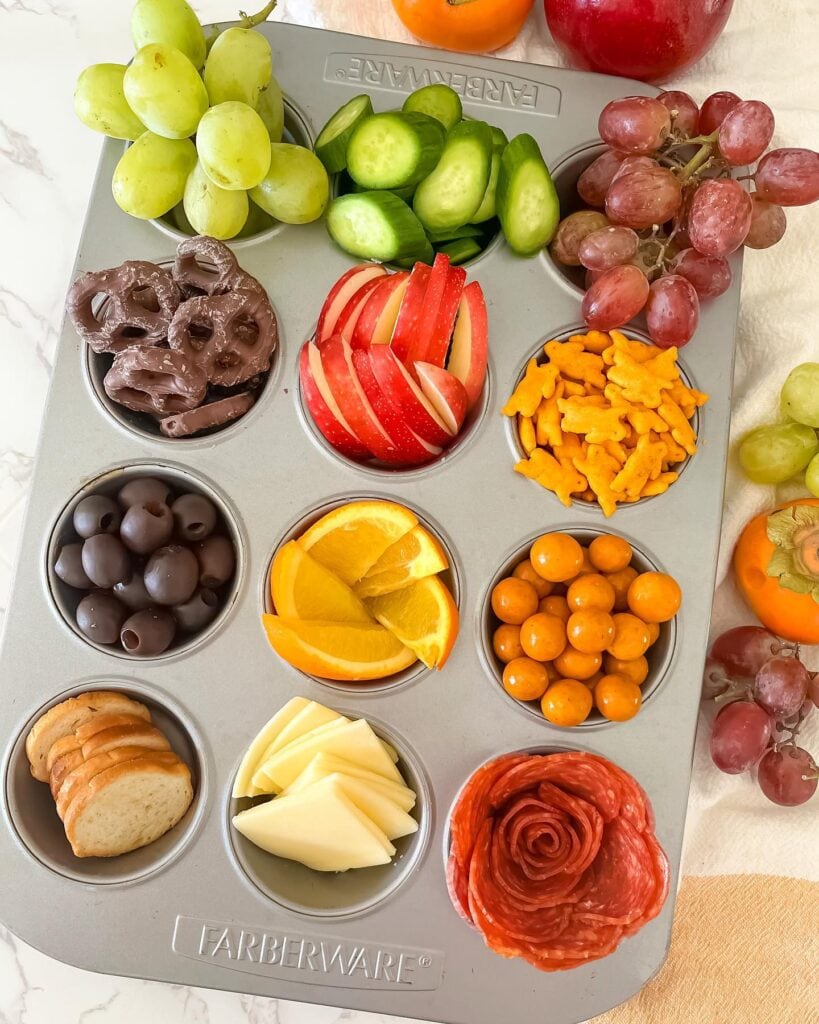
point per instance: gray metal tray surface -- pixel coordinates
(197, 908)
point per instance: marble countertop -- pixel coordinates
(47, 162)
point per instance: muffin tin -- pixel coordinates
(202, 909)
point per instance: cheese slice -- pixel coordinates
(319, 827)
(242, 785)
(262, 778)
(387, 815)
(354, 741)
(311, 717)
(323, 765)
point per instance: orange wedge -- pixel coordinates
(423, 616)
(350, 651)
(417, 555)
(351, 538)
(304, 589)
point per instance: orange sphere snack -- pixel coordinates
(581, 644)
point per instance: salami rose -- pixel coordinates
(553, 857)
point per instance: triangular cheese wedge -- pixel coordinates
(262, 778)
(242, 785)
(371, 801)
(323, 765)
(311, 717)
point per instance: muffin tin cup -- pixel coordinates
(65, 599)
(33, 816)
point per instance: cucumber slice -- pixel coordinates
(394, 150)
(466, 231)
(332, 141)
(425, 255)
(526, 199)
(438, 101)
(452, 193)
(406, 193)
(375, 226)
(499, 139)
(461, 250)
(488, 207)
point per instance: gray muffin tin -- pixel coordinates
(198, 907)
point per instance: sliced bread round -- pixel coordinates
(76, 779)
(84, 732)
(139, 734)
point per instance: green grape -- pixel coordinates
(212, 210)
(812, 476)
(165, 91)
(257, 221)
(233, 145)
(99, 102)
(238, 67)
(171, 22)
(296, 188)
(772, 455)
(800, 394)
(150, 177)
(270, 109)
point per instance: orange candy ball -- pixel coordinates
(514, 600)
(574, 664)
(621, 581)
(590, 631)
(617, 698)
(543, 637)
(556, 557)
(590, 591)
(525, 679)
(586, 565)
(555, 605)
(525, 571)
(654, 597)
(609, 553)
(506, 642)
(567, 702)
(631, 637)
(635, 669)
(653, 632)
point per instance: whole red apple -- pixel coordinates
(645, 39)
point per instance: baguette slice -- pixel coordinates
(74, 781)
(127, 806)
(84, 732)
(137, 734)
(64, 718)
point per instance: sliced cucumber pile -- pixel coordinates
(427, 179)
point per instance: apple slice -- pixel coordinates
(341, 293)
(345, 325)
(470, 342)
(377, 319)
(418, 412)
(431, 305)
(438, 346)
(323, 407)
(446, 393)
(411, 311)
(355, 406)
(414, 449)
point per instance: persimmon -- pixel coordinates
(473, 26)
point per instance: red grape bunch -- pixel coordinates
(673, 210)
(768, 693)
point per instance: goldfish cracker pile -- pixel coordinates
(604, 418)
(574, 623)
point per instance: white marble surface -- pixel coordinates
(47, 163)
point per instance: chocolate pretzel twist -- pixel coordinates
(156, 381)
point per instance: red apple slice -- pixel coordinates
(414, 449)
(430, 307)
(447, 311)
(345, 325)
(323, 407)
(411, 311)
(355, 406)
(418, 412)
(341, 293)
(446, 393)
(470, 342)
(377, 320)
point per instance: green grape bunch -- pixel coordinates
(204, 117)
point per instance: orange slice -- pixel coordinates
(351, 651)
(304, 589)
(351, 538)
(417, 555)
(423, 616)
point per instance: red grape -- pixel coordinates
(768, 224)
(687, 115)
(813, 688)
(592, 276)
(788, 177)
(715, 680)
(634, 124)
(781, 686)
(746, 132)
(631, 163)
(680, 222)
(614, 298)
(713, 111)
(644, 196)
(608, 247)
(710, 275)
(745, 649)
(593, 183)
(739, 736)
(788, 776)
(720, 217)
(672, 311)
(570, 233)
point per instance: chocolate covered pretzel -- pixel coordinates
(206, 417)
(206, 266)
(129, 306)
(157, 381)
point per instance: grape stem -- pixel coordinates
(252, 20)
(699, 161)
